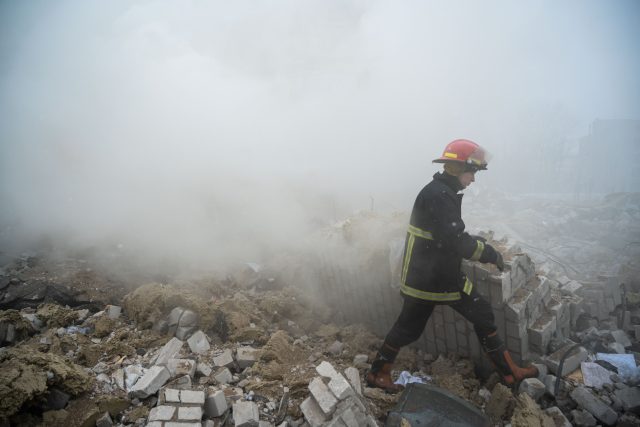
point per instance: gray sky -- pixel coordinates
(201, 128)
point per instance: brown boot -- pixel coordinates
(511, 372)
(381, 378)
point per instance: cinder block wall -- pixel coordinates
(358, 287)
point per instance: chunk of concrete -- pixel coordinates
(162, 413)
(113, 311)
(224, 359)
(223, 376)
(594, 405)
(558, 417)
(533, 387)
(192, 397)
(353, 375)
(630, 398)
(338, 384)
(312, 412)
(199, 343)
(323, 396)
(582, 418)
(104, 421)
(178, 367)
(572, 361)
(215, 405)
(169, 351)
(245, 414)
(150, 383)
(172, 395)
(190, 413)
(246, 356)
(204, 369)
(336, 348)
(359, 359)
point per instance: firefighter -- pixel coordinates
(431, 271)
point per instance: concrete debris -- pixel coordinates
(571, 362)
(199, 343)
(169, 351)
(154, 378)
(594, 405)
(246, 356)
(583, 418)
(245, 414)
(533, 387)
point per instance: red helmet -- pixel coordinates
(465, 151)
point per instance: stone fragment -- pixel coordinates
(182, 424)
(246, 356)
(104, 420)
(172, 395)
(360, 359)
(57, 399)
(312, 412)
(630, 398)
(338, 385)
(616, 347)
(162, 413)
(223, 376)
(336, 348)
(585, 399)
(179, 367)
(571, 363)
(558, 417)
(204, 369)
(223, 359)
(215, 405)
(192, 396)
(169, 351)
(182, 383)
(543, 370)
(190, 413)
(353, 375)
(533, 387)
(150, 383)
(113, 311)
(582, 418)
(245, 414)
(323, 396)
(199, 343)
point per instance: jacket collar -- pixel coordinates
(449, 180)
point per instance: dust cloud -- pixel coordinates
(225, 131)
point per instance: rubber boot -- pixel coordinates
(501, 358)
(380, 373)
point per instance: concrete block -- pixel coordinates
(336, 348)
(223, 359)
(246, 356)
(353, 375)
(174, 317)
(516, 308)
(215, 405)
(195, 397)
(629, 397)
(542, 370)
(499, 289)
(199, 343)
(169, 351)
(182, 424)
(571, 363)
(533, 387)
(450, 337)
(595, 406)
(323, 396)
(359, 359)
(338, 384)
(189, 413)
(515, 329)
(204, 369)
(571, 288)
(104, 420)
(558, 417)
(522, 270)
(171, 395)
(582, 418)
(150, 383)
(620, 337)
(162, 413)
(636, 330)
(183, 332)
(223, 376)
(519, 346)
(245, 414)
(113, 311)
(541, 331)
(312, 412)
(179, 367)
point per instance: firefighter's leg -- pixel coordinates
(407, 329)
(478, 311)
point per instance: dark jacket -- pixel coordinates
(436, 243)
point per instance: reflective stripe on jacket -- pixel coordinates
(436, 243)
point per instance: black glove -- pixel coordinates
(499, 261)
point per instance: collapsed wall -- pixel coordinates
(357, 274)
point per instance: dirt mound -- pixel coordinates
(56, 316)
(527, 413)
(26, 373)
(22, 328)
